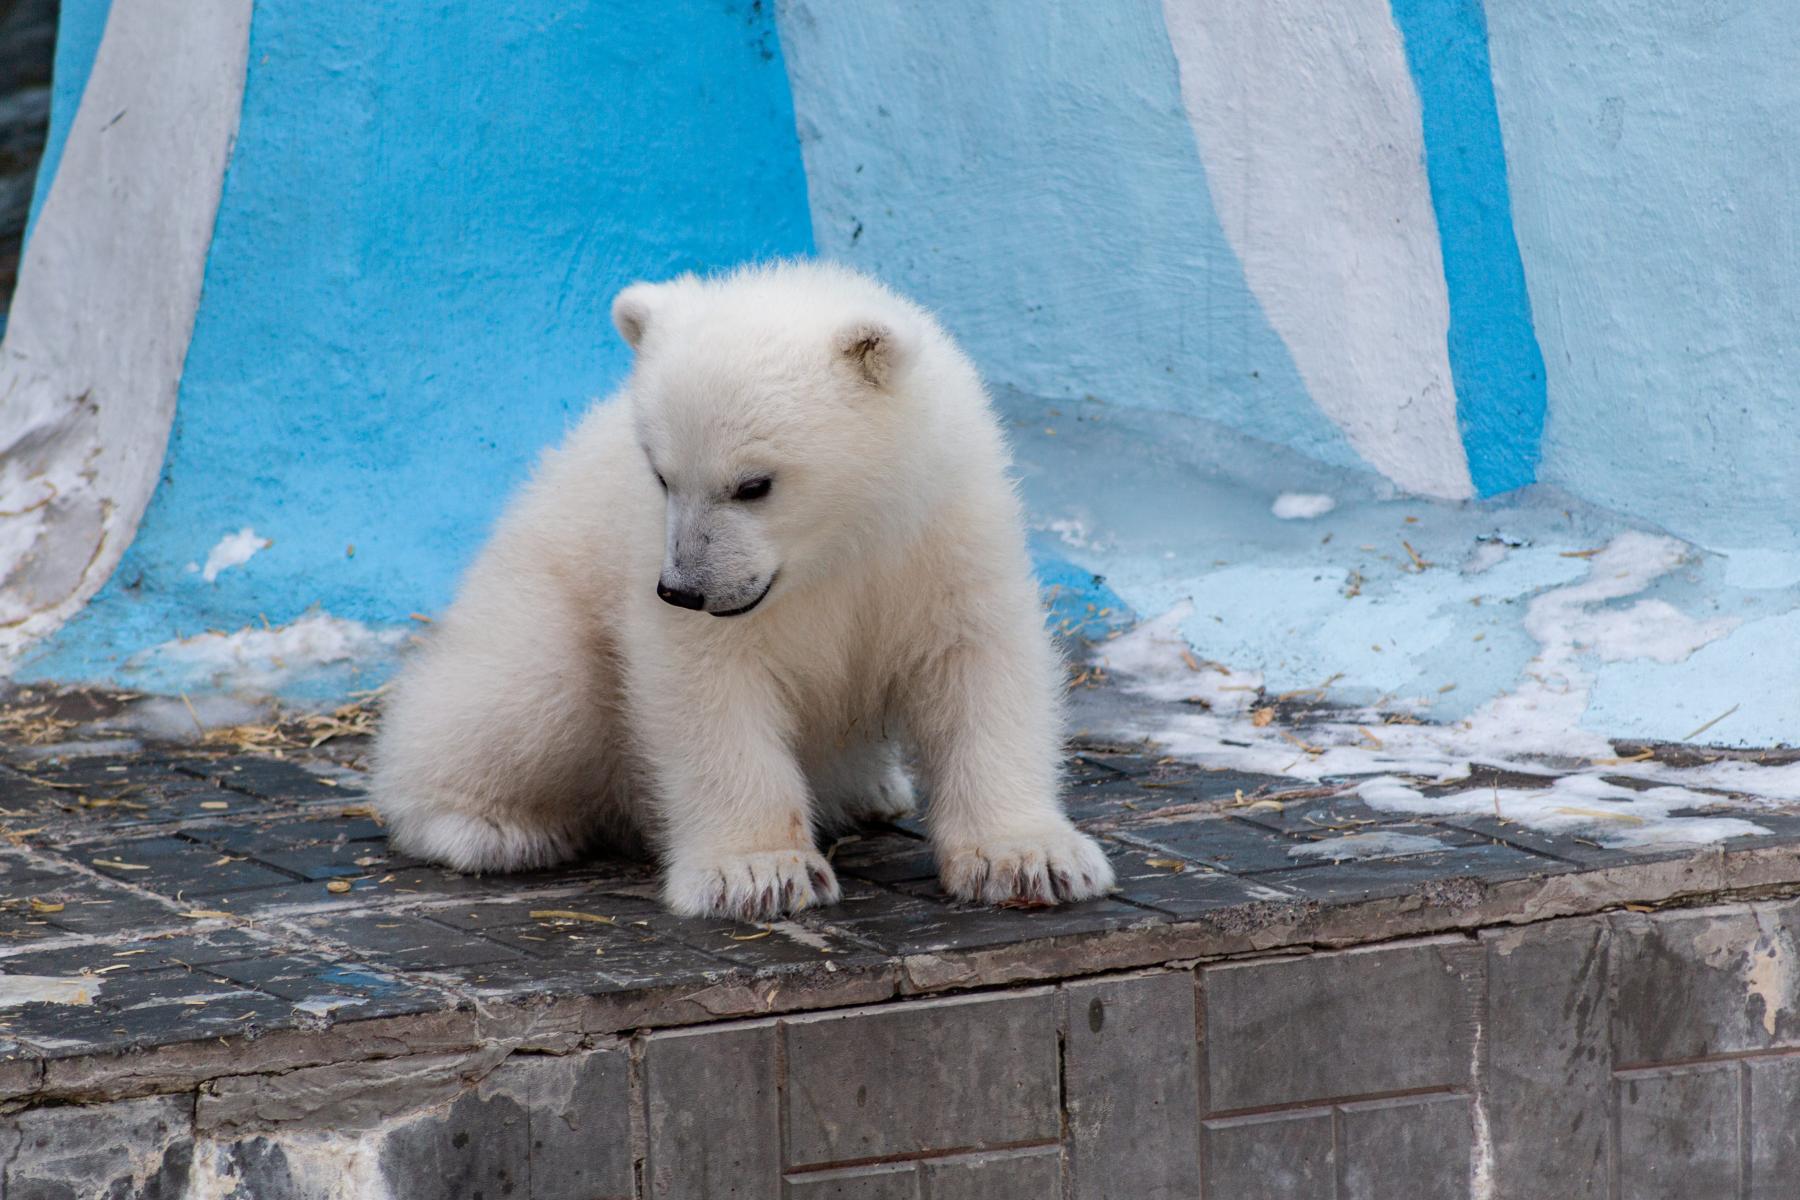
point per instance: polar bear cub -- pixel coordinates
(781, 564)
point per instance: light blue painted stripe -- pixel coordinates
(1494, 356)
(377, 367)
(79, 27)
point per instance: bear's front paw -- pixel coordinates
(1028, 870)
(750, 887)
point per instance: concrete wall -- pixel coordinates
(355, 276)
(1647, 1056)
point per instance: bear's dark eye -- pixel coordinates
(753, 489)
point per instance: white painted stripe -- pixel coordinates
(1308, 124)
(106, 300)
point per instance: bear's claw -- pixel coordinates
(1061, 866)
(762, 886)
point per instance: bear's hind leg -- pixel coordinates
(496, 751)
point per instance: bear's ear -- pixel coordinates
(631, 311)
(873, 350)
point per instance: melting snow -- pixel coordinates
(263, 660)
(1535, 729)
(47, 989)
(1155, 660)
(233, 550)
(1302, 506)
(1615, 816)
(1375, 844)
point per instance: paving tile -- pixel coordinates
(1370, 879)
(88, 804)
(484, 915)
(286, 833)
(1222, 842)
(148, 1008)
(909, 922)
(1343, 812)
(22, 794)
(149, 772)
(405, 941)
(593, 959)
(1569, 848)
(1129, 797)
(1182, 888)
(301, 897)
(177, 868)
(781, 946)
(42, 898)
(1132, 761)
(269, 779)
(188, 946)
(407, 935)
(429, 881)
(321, 987)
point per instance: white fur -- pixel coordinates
(560, 700)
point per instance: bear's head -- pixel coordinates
(779, 410)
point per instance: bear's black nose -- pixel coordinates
(680, 597)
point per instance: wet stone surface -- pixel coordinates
(167, 895)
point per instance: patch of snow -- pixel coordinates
(1374, 844)
(83, 748)
(1543, 714)
(1073, 532)
(47, 989)
(261, 661)
(1486, 556)
(170, 718)
(324, 1006)
(1615, 816)
(1302, 506)
(233, 550)
(1155, 661)
(1534, 729)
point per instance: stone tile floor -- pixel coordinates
(163, 895)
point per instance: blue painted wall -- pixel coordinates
(1494, 355)
(427, 214)
(1028, 170)
(428, 211)
(1651, 152)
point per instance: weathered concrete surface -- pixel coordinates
(1508, 1063)
(216, 980)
